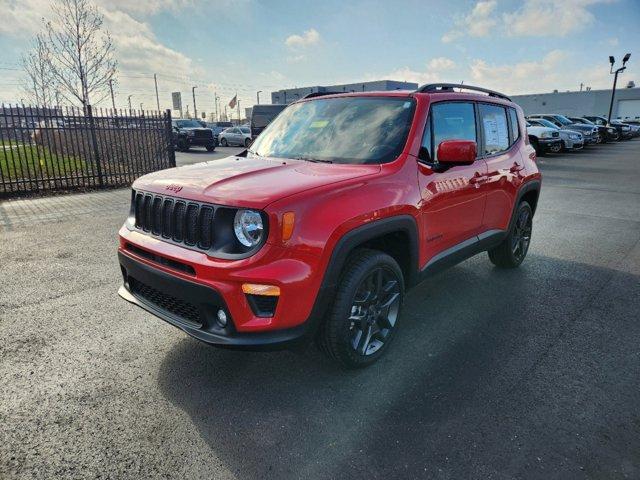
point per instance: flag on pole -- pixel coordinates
(232, 103)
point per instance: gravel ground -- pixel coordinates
(532, 373)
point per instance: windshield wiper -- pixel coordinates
(314, 160)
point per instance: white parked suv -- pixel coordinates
(544, 139)
(571, 140)
(235, 136)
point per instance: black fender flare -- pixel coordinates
(531, 185)
(350, 241)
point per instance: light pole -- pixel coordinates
(129, 99)
(258, 96)
(615, 79)
(195, 111)
(215, 102)
(142, 109)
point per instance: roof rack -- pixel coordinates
(320, 94)
(448, 87)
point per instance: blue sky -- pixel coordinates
(249, 45)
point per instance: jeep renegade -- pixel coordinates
(342, 204)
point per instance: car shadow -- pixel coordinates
(486, 378)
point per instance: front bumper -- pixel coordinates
(207, 301)
(549, 144)
(196, 282)
(201, 141)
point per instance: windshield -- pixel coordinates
(356, 130)
(563, 120)
(583, 120)
(547, 123)
(187, 124)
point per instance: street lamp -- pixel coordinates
(129, 100)
(258, 96)
(615, 79)
(195, 111)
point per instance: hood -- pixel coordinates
(582, 127)
(248, 182)
(539, 130)
(567, 131)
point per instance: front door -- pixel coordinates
(452, 198)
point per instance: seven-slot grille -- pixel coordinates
(181, 221)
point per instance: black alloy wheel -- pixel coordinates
(374, 311)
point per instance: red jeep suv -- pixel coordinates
(342, 204)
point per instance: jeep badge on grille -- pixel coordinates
(173, 187)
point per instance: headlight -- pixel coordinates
(574, 137)
(545, 135)
(248, 227)
(611, 130)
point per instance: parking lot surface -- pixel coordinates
(530, 373)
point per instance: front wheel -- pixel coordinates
(513, 249)
(247, 142)
(224, 142)
(210, 148)
(364, 317)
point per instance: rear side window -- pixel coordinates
(452, 121)
(514, 126)
(493, 119)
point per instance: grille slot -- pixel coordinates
(184, 310)
(189, 223)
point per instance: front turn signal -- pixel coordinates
(258, 289)
(288, 220)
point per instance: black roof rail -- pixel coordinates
(448, 87)
(320, 94)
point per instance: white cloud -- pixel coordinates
(523, 77)
(478, 23)
(549, 17)
(308, 38)
(441, 63)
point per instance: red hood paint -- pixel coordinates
(248, 182)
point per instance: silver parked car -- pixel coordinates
(571, 140)
(235, 136)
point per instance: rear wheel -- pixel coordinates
(211, 148)
(363, 319)
(513, 249)
(183, 145)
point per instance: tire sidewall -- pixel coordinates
(522, 206)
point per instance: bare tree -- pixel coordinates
(39, 83)
(82, 51)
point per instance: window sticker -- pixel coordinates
(490, 130)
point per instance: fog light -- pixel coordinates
(222, 318)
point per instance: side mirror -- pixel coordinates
(457, 151)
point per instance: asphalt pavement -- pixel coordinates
(530, 373)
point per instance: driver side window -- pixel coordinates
(452, 121)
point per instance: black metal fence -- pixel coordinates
(67, 148)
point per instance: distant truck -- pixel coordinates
(262, 115)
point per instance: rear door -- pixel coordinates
(501, 145)
(453, 201)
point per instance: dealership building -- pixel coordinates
(626, 103)
(292, 94)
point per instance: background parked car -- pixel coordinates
(571, 140)
(607, 133)
(624, 131)
(235, 136)
(262, 115)
(589, 132)
(189, 133)
(544, 139)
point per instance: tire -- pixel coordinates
(513, 249)
(555, 148)
(364, 316)
(210, 148)
(223, 142)
(247, 142)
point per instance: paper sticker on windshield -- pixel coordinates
(319, 124)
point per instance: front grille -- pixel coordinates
(181, 309)
(204, 134)
(181, 221)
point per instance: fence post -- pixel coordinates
(94, 144)
(169, 132)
